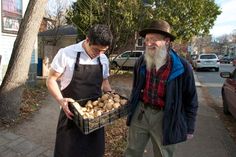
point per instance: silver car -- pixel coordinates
(126, 59)
(206, 61)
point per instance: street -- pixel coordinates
(213, 82)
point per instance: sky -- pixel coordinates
(226, 21)
(54, 5)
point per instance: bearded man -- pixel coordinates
(163, 100)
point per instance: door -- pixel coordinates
(230, 93)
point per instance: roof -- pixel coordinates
(62, 30)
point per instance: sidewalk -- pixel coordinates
(32, 138)
(12, 145)
(211, 139)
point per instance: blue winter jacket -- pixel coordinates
(180, 102)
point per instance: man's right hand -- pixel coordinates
(64, 104)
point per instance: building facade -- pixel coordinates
(11, 13)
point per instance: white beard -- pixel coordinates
(155, 56)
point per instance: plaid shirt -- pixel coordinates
(155, 87)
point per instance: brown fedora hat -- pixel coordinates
(160, 27)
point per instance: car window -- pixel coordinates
(125, 55)
(136, 54)
(207, 57)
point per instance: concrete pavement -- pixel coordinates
(12, 145)
(211, 139)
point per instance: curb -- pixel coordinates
(197, 82)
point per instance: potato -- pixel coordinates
(116, 99)
(90, 116)
(89, 105)
(91, 111)
(123, 101)
(109, 105)
(95, 103)
(116, 96)
(104, 97)
(110, 101)
(110, 97)
(101, 104)
(105, 102)
(116, 105)
(97, 113)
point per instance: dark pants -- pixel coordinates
(71, 142)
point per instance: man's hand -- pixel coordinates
(64, 104)
(189, 136)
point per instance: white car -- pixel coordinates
(126, 59)
(206, 61)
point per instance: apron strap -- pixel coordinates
(78, 58)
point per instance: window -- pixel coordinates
(127, 54)
(139, 42)
(207, 57)
(11, 15)
(138, 54)
(135, 54)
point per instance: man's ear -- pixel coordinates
(87, 39)
(167, 39)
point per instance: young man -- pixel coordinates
(83, 70)
(164, 99)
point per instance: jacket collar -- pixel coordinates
(177, 65)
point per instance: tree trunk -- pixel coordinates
(17, 72)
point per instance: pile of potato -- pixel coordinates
(106, 103)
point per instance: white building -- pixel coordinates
(12, 12)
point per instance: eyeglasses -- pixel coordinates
(97, 50)
(152, 40)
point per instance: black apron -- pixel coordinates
(70, 141)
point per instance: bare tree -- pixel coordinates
(17, 72)
(56, 11)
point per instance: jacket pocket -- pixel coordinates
(178, 131)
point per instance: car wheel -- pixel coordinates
(225, 106)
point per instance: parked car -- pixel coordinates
(126, 59)
(226, 59)
(229, 92)
(234, 61)
(206, 61)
